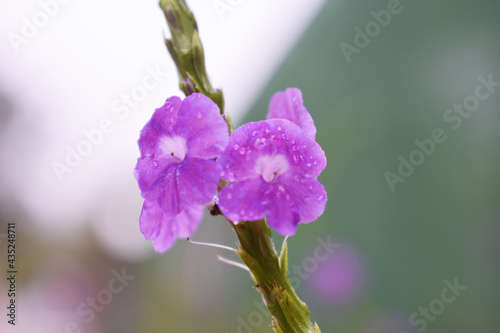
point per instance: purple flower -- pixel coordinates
(273, 166)
(288, 105)
(176, 172)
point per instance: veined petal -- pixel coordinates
(201, 124)
(156, 226)
(244, 200)
(308, 195)
(167, 193)
(150, 172)
(197, 181)
(188, 221)
(160, 124)
(164, 230)
(253, 142)
(289, 105)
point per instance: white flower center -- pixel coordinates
(174, 146)
(271, 166)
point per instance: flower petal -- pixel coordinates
(203, 127)
(244, 200)
(156, 226)
(160, 124)
(188, 221)
(150, 172)
(197, 181)
(167, 193)
(164, 230)
(308, 195)
(270, 138)
(294, 201)
(289, 105)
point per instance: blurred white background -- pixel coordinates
(93, 67)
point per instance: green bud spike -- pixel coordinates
(187, 51)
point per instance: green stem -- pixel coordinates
(270, 274)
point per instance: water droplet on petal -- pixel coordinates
(198, 115)
(279, 128)
(320, 197)
(281, 188)
(310, 187)
(155, 163)
(172, 120)
(309, 165)
(315, 163)
(254, 133)
(236, 146)
(259, 143)
(242, 151)
(229, 196)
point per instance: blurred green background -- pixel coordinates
(397, 249)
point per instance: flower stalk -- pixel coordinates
(256, 249)
(270, 275)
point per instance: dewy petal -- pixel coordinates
(286, 203)
(197, 181)
(265, 139)
(307, 195)
(164, 230)
(289, 105)
(150, 172)
(201, 124)
(160, 124)
(294, 201)
(244, 200)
